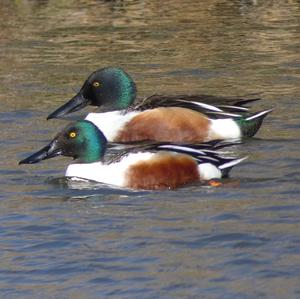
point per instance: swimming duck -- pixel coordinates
(182, 118)
(148, 166)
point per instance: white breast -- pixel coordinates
(110, 123)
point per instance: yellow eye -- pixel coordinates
(72, 134)
(96, 84)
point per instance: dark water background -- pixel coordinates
(238, 241)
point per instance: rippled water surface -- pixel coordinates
(63, 241)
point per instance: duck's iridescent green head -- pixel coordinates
(81, 140)
(110, 88)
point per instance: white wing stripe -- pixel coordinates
(231, 163)
(203, 105)
(182, 148)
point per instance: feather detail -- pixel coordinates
(200, 103)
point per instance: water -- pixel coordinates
(68, 241)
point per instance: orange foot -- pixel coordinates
(214, 183)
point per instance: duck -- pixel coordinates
(171, 118)
(148, 166)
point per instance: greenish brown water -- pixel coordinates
(62, 241)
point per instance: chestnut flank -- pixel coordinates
(166, 124)
(162, 171)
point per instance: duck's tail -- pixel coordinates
(228, 164)
(250, 125)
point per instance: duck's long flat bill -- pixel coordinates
(49, 151)
(76, 103)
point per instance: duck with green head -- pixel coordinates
(180, 118)
(150, 166)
